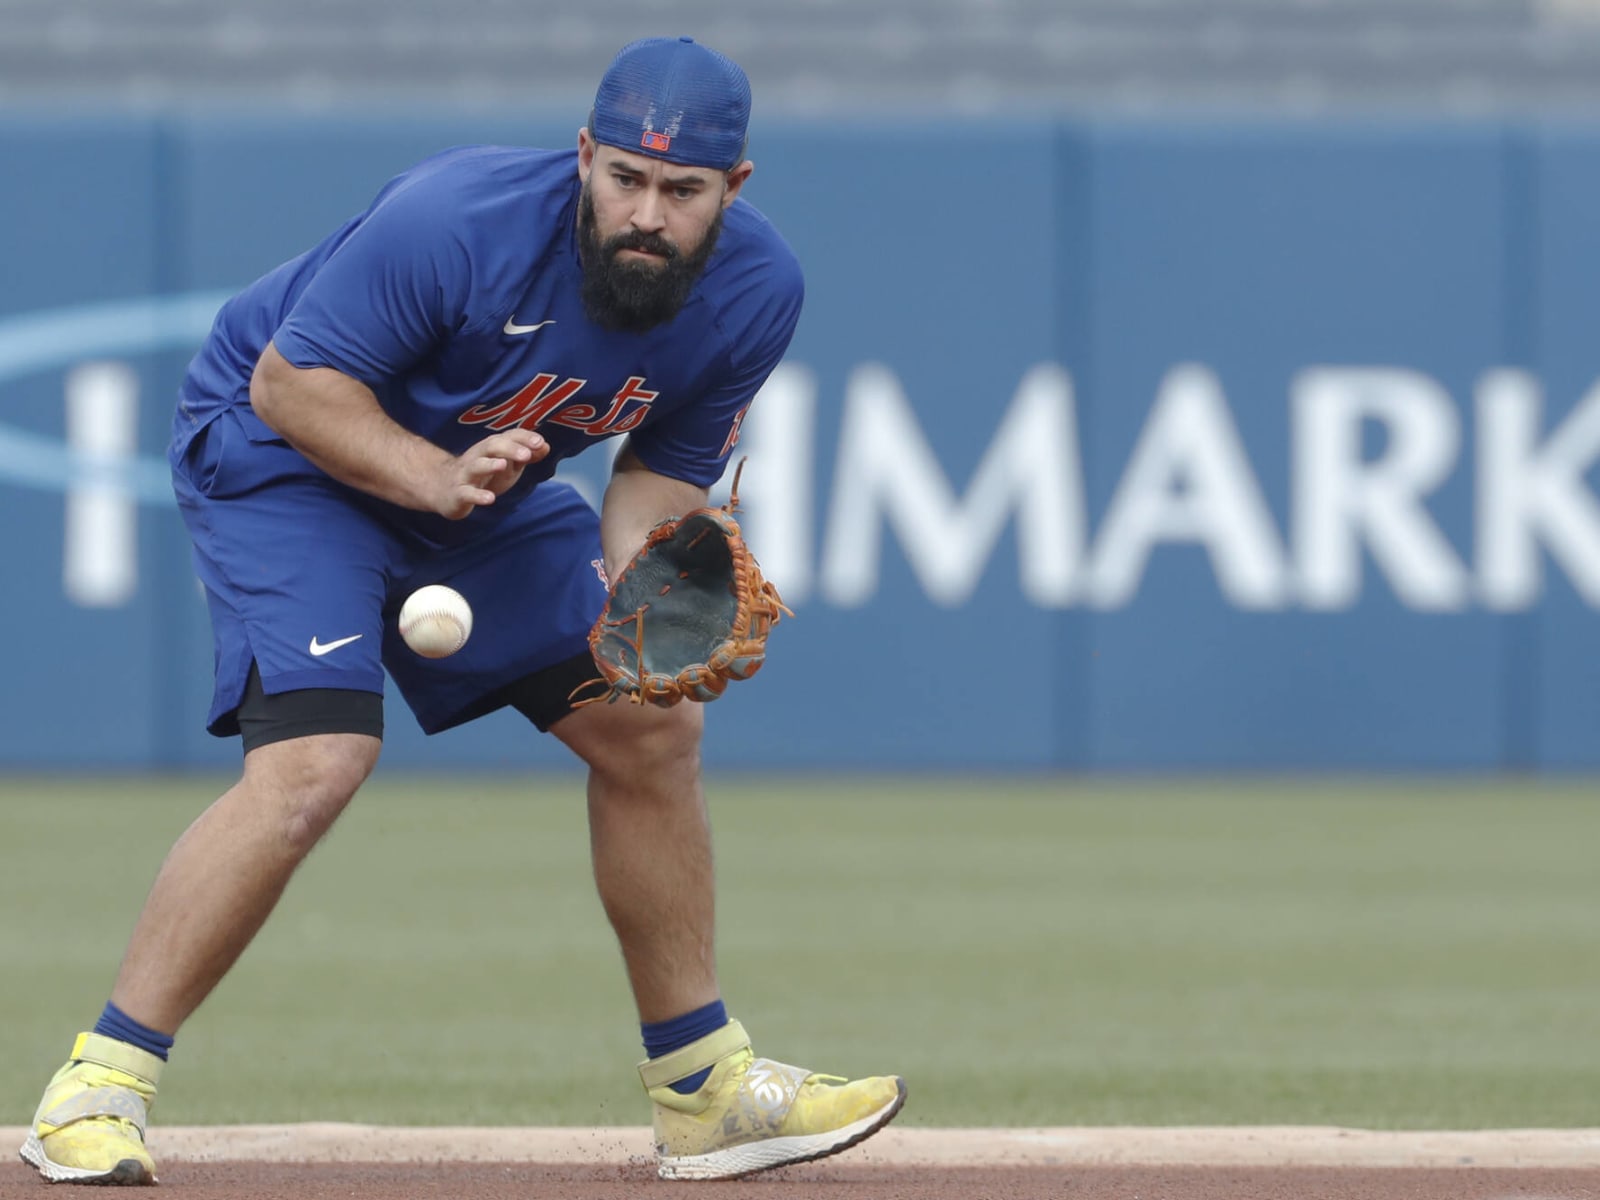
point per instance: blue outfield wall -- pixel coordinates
(1101, 446)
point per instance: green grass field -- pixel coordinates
(1398, 954)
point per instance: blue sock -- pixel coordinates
(114, 1023)
(663, 1037)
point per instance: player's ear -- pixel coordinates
(585, 153)
(735, 181)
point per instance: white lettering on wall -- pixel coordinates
(1189, 480)
(1531, 495)
(100, 559)
(887, 475)
(1368, 448)
(1344, 503)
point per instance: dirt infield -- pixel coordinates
(312, 1162)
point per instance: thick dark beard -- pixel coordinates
(630, 296)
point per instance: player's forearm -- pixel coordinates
(636, 501)
(337, 423)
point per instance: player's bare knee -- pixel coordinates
(656, 756)
(649, 744)
(309, 817)
(311, 780)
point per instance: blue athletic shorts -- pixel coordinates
(305, 577)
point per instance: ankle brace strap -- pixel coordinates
(119, 1056)
(696, 1056)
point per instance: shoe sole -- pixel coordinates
(736, 1162)
(130, 1172)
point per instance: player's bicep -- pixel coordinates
(282, 394)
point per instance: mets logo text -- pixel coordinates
(545, 402)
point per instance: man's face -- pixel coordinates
(646, 230)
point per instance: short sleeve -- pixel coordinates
(693, 442)
(396, 284)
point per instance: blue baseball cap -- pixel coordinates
(674, 99)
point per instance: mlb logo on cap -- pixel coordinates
(676, 99)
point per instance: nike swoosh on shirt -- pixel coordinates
(513, 328)
(318, 649)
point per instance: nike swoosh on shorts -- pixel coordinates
(318, 649)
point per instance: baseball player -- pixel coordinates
(385, 411)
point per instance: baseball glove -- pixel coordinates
(688, 613)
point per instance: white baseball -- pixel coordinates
(436, 621)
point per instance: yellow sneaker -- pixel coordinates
(752, 1114)
(90, 1124)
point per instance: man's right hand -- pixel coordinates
(486, 470)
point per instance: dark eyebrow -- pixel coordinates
(694, 181)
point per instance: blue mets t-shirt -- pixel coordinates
(457, 298)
